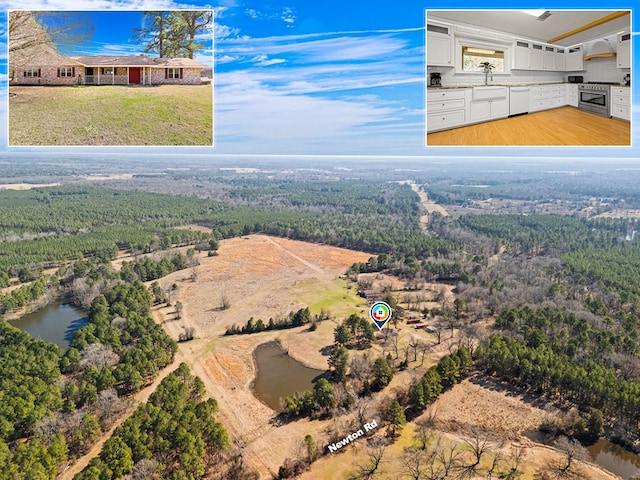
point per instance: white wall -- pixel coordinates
(603, 70)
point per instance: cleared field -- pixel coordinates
(111, 115)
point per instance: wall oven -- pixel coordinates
(595, 98)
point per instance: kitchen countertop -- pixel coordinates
(447, 87)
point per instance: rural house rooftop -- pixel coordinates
(135, 61)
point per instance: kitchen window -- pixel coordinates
(474, 57)
(471, 52)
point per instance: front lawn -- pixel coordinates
(111, 115)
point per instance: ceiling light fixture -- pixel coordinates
(534, 13)
(540, 15)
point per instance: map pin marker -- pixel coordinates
(380, 314)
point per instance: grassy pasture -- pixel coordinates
(111, 115)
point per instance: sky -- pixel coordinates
(310, 78)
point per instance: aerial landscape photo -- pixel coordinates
(214, 321)
(316, 294)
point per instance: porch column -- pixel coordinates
(113, 76)
(98, 75)
(127, 75)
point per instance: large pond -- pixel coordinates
(57, 322)
(279, 375)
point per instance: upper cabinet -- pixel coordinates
(574, 58)
(624, 50)
(561, 60)
(521, 55)
(439, 44)
(529, 55)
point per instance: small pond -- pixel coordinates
(614, 458)
(57, 322)
(279, 375)
(608, 455)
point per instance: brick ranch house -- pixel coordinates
(34, 60)
(56, 69)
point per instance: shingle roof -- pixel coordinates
(136, 61)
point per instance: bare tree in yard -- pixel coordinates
(374, 451)
(449, 457)
(415, 463)
(479, 445)
(567, 466)
(362, 410)
(179, 308)
(33, 33)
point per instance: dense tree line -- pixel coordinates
(449, 370)
(295, 319)
(22, 296)
(28, 392)
(173, 436)
(617, 269)
(588, 384)
(147, 268)
(121, 320)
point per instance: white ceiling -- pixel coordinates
(529, 27)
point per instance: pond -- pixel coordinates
(608, 455)
(279, 375)
(57, 322)
(614, 458)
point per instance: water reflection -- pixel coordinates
(57, 322)
(279, 375)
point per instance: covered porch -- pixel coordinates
(116, 75)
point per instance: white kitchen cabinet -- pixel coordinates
(549, 58)
(557, 95)
(439, 45)
(621, 102)
(623, 57)
(572, 95)
(522, 52)
(483, 110)
(536, 60)
(574, 59)
(446, 108)
(540, 97)
(560, 60)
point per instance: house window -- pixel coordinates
(474, 57)
(66, 71)
(32, 72)
(107, 71)
(173, 73)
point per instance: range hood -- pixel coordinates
(600, 49)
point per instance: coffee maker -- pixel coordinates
(435, 80)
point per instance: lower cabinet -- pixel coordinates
(572, 95)
(446, 108)
(481, 110)
(621, 102)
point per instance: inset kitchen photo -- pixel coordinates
(528, 77)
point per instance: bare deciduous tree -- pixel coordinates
(99, 356)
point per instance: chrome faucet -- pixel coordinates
(488, 75)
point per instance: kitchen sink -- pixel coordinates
(489, 92)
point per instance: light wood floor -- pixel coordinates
(560, 126)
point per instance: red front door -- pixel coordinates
(134, 74)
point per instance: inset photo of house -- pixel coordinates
(116, 78)
(528, 77)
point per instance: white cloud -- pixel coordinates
(252, 117)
